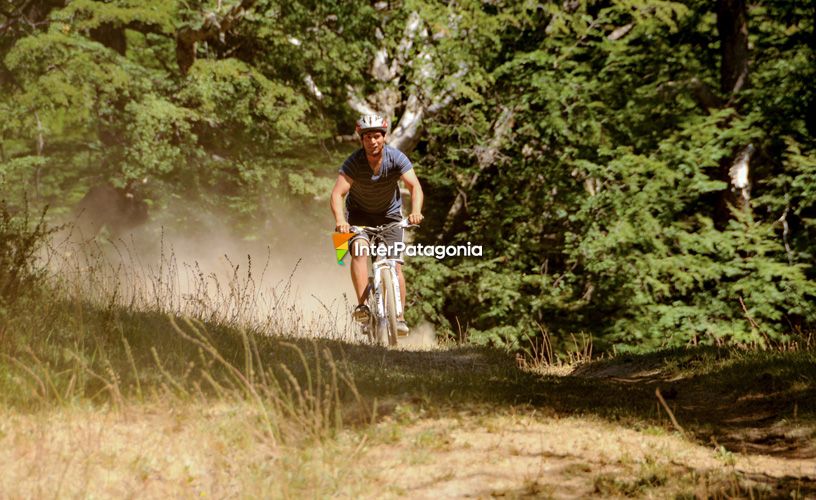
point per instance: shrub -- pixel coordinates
(21, 239)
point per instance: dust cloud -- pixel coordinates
(286, 281)
(301, 275)
(421, 336)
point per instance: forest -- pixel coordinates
(639, 171)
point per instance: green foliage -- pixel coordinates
(16, 170)
(159, 134)
(602, 214)
(605, 208)
(70, 84)
(239, 104)
(96, 94)
(90, 14)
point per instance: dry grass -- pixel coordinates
(240, 293)
(134, 381)
(161, 450)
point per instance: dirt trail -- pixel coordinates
(557, 448)
(450, 422)
(520, 455)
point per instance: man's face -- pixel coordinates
(373, 143)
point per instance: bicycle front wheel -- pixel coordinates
(377, 327)
(390, 300)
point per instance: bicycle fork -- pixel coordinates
(380, 267)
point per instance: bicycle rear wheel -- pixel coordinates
(390, 298)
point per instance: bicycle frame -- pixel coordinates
(375, 294)
(377, 268)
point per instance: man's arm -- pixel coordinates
(341, 188)
(413, 186)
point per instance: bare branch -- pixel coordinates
(312, 87)
(621, 32)
(485, 157)
(357, 104)
(405, 135)
(704, 96)
(213, 28)
(783, 219)
(423, 102)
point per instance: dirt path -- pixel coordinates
(525, 454)
(743, 436)
(449, 422)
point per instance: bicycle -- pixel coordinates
(382, 294)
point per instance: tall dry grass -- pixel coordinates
(106, 333)
(241, 293)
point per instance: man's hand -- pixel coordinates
(342, 227)
(415, 218)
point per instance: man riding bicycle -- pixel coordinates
(370, 179)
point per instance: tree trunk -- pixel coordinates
(732, 25)
(485, 157)
(111, 36)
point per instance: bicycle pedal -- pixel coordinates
(362, 320)
(361, 315)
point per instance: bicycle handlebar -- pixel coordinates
(385, 227)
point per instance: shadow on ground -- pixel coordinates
(751, 402)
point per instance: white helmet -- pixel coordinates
(369, 123)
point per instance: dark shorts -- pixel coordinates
(391, 237)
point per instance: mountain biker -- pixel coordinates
(370, 179)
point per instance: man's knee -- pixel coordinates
(358, 249)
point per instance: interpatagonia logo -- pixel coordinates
(341, 248)
(341, 243)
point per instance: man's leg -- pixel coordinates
(404, 292)
(359, 268)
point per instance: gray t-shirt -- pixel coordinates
(375, 199)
